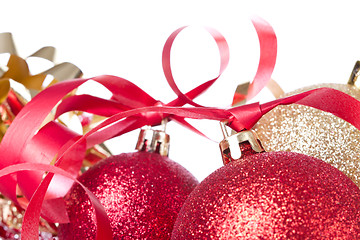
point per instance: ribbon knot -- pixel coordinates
(124, 115)
(159, 103)
(154, 118)
(244, 117)
(129, 108)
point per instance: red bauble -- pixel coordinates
(275, 195)
(142, 194)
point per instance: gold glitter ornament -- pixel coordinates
(309, 131)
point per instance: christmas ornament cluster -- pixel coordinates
(290, 171)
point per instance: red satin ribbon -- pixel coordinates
(268, 51)
(31, 218)
(224, 57)
(246, 116)
(128, 109)
(239, 118)
(125, 96)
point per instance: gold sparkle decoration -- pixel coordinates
(17, 69)
(11, 218)
(15, 72)
(306, 130)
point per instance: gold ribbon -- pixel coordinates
(17, 68)
(272, 85)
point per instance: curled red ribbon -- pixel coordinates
(30, 224)
(128, 109)
(242, 117)
(268, 51)
(125, 96)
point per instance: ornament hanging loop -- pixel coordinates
(151, 140)
(164, 124)
(353, 80)
(242, 91)
(233, 147)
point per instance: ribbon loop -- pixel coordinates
(268, 52)
(224, 60)
(47, 53)
(244, 117)
(7, 44)
(18, 69)
(239, 118)
(129, 108)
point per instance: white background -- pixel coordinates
(318, 42)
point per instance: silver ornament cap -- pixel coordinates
(151, 140)
(232, 147)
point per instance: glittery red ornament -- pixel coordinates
(142, 194)
(275, 195)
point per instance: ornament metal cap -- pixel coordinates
(354, 75)
(151, 140)
(231, 145)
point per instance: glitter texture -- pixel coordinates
(306, 130)
(11, 218)
(142, 194)
(277, 195)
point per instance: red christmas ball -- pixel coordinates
(275, 195)
(142, 194)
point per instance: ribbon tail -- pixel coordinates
(118, 128)
(32, 214)
(7, 44)
(268, 52)
(90, 104)
(63, 71)
(326, 99)
(30, 228)
(47, 53)
(183, 122)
